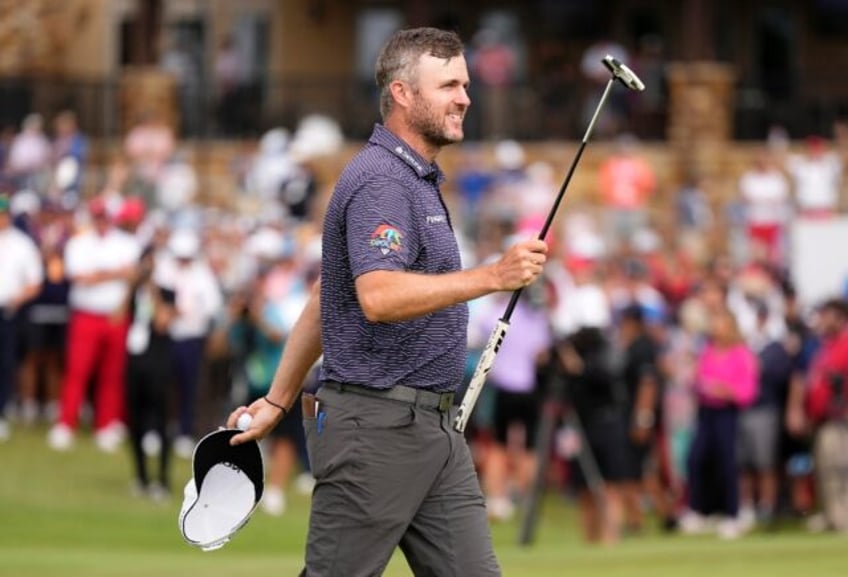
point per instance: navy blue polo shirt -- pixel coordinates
(387, 213)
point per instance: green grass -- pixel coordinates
(71, 515)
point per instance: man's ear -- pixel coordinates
(401, 92)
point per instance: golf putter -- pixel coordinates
(629, 79)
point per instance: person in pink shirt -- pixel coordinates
(725, 381)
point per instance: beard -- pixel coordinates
(430, 124)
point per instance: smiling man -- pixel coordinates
(390, 318)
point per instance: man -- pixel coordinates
(827, 406)
(100, 263)
(198, 302)
(389, 315)
(21, 275)
(642, 378)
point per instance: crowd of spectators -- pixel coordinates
(692, 384)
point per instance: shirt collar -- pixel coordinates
(384, 137)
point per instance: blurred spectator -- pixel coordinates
(473, 181)
(633, 285)
(149, 376)
(70, 154)
(626, 182)
(751, 287)
(760, 426)
(768, 208)
(275, 302)
(148, 147)
(816, 174)
(511, 460)
(725, 381)
(46, 319)
(270, 169)
(198, 302)
(181, 61)
(827, 404)
(230, 81)
(644, 387)
(679, 362)
(100, 263)
(21, 274)
(598, 398)
(29, 157)
(583, 304)
(494, 63)
(177, 186)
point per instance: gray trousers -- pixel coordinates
(389, 473)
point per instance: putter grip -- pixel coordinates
(484, 365)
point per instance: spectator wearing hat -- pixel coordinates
(198, 302)
(99, 263)
(21, 275)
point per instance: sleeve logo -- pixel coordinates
(386, 238)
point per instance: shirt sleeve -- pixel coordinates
(380, 227)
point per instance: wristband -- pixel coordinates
(273, 404)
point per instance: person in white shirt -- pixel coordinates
(765, 192)
(21, 275)
(816, 174)
(198, 302)
(99, 263)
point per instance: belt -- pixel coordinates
(411, 395)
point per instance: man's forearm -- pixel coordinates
(123, 273)
(391, 296)
(302, 350)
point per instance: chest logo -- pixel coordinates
(386, 238)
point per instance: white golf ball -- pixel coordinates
(243, 422)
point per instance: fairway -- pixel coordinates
(71, 515)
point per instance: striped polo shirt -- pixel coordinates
(387, 213)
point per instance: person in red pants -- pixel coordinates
(99, 263)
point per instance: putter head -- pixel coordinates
(623, 73)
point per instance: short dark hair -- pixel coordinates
(836, 305)
(399, 57)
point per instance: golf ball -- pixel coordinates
(243, 422)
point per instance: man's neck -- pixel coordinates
(400, 129)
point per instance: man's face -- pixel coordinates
(440, 99)
(830, 323)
